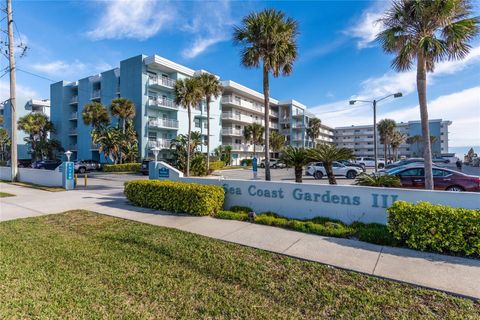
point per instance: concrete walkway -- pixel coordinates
(452, 274)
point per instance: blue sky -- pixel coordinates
(338, 58)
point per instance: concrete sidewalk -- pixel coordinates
(452, 274)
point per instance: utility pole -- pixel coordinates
(13, 102)
(375, 135)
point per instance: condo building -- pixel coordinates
(24, 107)
(360, 138)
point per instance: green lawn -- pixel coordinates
(6, 194)
(84, 265)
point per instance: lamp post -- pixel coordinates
(68, 153)
(156, 151)
(374, 103)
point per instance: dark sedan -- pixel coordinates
(443, 179)
(404, 163)
(46, 164)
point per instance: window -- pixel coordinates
(152, 136)
(197, 123)
(440, 173)
(416, 172)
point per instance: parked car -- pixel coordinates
(351, 164)
(46, 164)
(144, 167)
(404, 162)
(274, 163)
(370, 162)
(440, 160)
(443, 179)
(317, 170)
(83, 166)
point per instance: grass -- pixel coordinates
(83, 265)
(6, 194)
(34, 186)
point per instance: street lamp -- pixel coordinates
(374, 102)
(68, 153)
(155, 151)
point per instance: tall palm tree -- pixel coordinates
(188, 94)
(313, 130)
(297, 158)
(277, 141)
(36, 126)
(396, 140)
(4, 144)
(327, 154)
(211, 87)
(253, 133)
(124, 109)
(427, 31)
(268, 39)
(386, 127)
(96, 115)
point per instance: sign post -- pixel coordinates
(68, 175)
(254, 168)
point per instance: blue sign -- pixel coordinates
(163, 173)
(254, 164)
(70, 171)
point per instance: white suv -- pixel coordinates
(317, 170)
(370, 162)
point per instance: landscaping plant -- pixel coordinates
(386, 181)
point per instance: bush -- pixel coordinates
(373, 233)
(3, 163)
(246, 162)
(229, 215)
(198, 165)
(241, 209)
(216, 165)
(425, 226)
(364, 179)
(193, 198)
(124, 167)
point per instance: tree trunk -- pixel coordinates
(330, 175)
(298, 174)
(254, 149)
(208, 134)
(266, 102)
(385, 148)
(422, 100)
(189, 111)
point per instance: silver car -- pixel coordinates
(83, 166)
(317, 170)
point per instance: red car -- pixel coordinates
(443, 179)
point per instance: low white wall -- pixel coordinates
(50, 178)
(5, 173)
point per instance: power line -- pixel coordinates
(36, 75)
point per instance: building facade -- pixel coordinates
(148, 81)
(24, 107)
(360, 139)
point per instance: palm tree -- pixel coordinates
(297, 157)
(211, 87)
(179, 145)
(268, 39)
(96, 114)
(386, 127)
(428, 32)
(253, 133)
(109, 140)
(4, 144)
(37, 126)
(313, 130)
(327, 154)
(224, 153)
(124, 109)
(396, 140)
(188, 94)
(277, 141)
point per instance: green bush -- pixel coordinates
(192, 198)
(216, 165)
(364, 179)
(246, 162)
(241, 209)
(229, 215)
(124, 167)
(3, 163)
(425, 226)
(198, 165)
(373, 233)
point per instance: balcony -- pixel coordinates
(161, 81)
(159, 143)
(94, 146)
(297, 125)
(273, 125)
(72, 147)
(74, 100)
(285, 120)
(274, 113)
(74, 116)
(162, 103)
(250, 106)
(231, 116)
(164, 123)
(73, 132)
(297, 138)
(232, 132)
(244, 147)
(96, 95)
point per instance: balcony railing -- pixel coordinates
(232, 132)
(243, 103)
(274, 113)
(95, 94)
(162, 102)
(162, 81)
(72, 147)
(245, 147)
(74, 99)
(231, 115)
(159, 143)
(74, 116)
(94, 146)
(285, 119)
(164, 123)
(73, 131)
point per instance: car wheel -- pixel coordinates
(381, 166)
(318, 175)
(274, 166)
(262, 166)
(455, 188)
(82, 170)
(351, 174)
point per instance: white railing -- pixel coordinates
(274, 113)
(232, 132)
(162, 81)
(244, 147)
(231, 115)
(164, 123)
(159, 143)
(95, 94)
(74, 99)
(285, 119)
(273, 125)
(297, 125)
(73, 131)
(243, 103)
(297, 138)
(74, 115)
(162, 102)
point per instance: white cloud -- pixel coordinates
(366, 28)
(23, 92)
(138, 19)
(60, 67)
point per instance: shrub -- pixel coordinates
(193, 198)
(241, 209)
(198, 165)
(373, 233)
(364, 179)
(246, 162)
(3, 163)
(124, 167)
(425, 226)
(216, 165)
(229, 215)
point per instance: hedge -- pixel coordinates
(425, 226)
(192, 198)
(246, 162)
(124, 167)
(216, 165)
